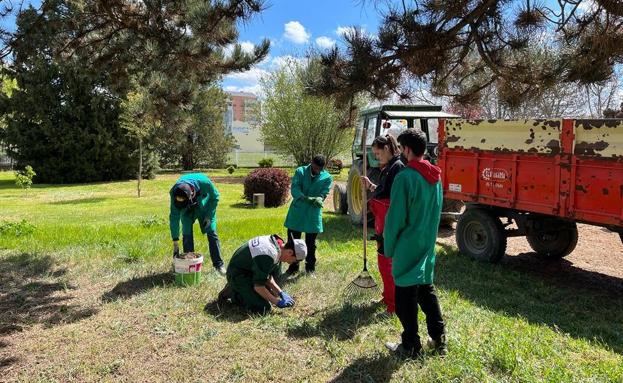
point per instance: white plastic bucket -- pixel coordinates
(183, 266)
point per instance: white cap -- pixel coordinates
(300, 249)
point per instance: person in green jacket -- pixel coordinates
(310, 186)
(194, 198)
(253, 269)
(410, 234)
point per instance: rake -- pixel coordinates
(364, 284)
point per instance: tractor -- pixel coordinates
(382, 120)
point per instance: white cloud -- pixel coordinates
(325, 42)
(341, 31)
(255, 89)
(281, 61)
(295, 32)
(251, 76)
(587, 6)
(246, 46)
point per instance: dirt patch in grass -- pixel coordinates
(597, 259)
(228, 180)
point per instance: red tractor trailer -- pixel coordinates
(534, 178)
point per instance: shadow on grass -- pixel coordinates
(8, 184)
(340, 323)
(6, 362)
(338, 228)
(581, 303)
(369, 369)
(79, 201)
(241, 205)
(228, 312)
(33, 292)
(138, 285)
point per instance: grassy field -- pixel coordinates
(86, 295)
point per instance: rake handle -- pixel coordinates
(364, 199)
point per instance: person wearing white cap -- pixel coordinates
(253, 269)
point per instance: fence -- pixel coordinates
(6, 162)
(251, 159)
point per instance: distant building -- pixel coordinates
(241, 120)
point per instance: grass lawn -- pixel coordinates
(86, 295)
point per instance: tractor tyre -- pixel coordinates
(340, 199)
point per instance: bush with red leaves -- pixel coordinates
(273, 182)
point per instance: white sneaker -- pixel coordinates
(221, 270)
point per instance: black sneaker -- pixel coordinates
(225, 294)
(398, 350)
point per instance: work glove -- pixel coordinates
(317, 201)
(176, 249)
(285, 301)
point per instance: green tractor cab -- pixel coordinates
(382, 120)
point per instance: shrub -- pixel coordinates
(16, 229)
(23, 178)
(231, 169)
(273, 182)
(266, 163)
(335, 165)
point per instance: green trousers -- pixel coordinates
(245, 295)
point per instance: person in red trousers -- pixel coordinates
(385, 149)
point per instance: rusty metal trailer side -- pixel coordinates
(540, 174)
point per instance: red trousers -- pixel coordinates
(379, 209)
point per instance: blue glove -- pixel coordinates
(285, 301)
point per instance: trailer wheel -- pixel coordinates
(340, 201)
(480, 235)
(556, 243)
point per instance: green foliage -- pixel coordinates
(168, 46)
(152, 221)
(265, 163)
(459, 48)
(195, 135)
(335, 166)
(16, 229)
(231, 169)
(23, 178)
(61, 119)
(274, 183)
(297, 124)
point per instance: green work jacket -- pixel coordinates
(302, 215)
(411, 227)
(207, 200)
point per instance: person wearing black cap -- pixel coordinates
(194, 197)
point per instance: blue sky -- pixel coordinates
(293, 26)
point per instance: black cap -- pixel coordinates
(182, 194)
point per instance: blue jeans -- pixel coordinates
(214, 245)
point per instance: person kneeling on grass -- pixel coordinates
(252, 271)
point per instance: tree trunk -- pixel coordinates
(188, 162)
(140, 166)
